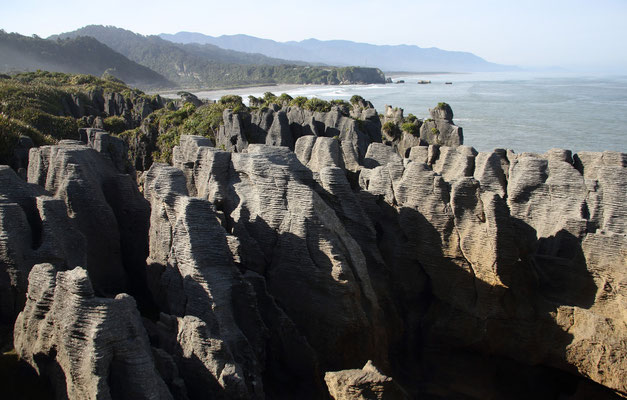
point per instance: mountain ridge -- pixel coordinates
(207, 66)
(81, 54)
(346, 52)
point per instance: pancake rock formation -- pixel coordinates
(295, 252)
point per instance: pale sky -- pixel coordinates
(564, 33)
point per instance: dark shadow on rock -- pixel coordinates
(133, 221)
(441, 319)
(20, 381)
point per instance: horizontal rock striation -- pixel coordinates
(517, 263)
(105, 206)
(355, 128)
(96, 348)
(279, 268)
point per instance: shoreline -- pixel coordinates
(388, 74)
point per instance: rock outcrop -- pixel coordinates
(34, 228)
(284, 126)
(105, 206)
(307, 250)
(93, 348)
(440, 129)
(367, 383)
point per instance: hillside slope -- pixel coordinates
(203, 66)
(84, 55)
(344, 52)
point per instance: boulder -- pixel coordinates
(367, 383)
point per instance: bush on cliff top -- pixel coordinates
(298, 101)
(356, 99)
(114, 124)
(390, 129)
(411, 128)
(10, 132)
(316, 104)
(442, 105)
(190, 120)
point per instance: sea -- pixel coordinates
(523, 111)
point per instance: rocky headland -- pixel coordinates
(313, 252)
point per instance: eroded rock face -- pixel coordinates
(34, 228)
(94, 347)
(197, 281)
(367, 383)
(284, 126)
(312, 247)
(270, 206)
(515, 259)
(440, 129)
(106, 208)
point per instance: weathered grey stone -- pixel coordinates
(231, 135)
(455, 162)
(318, 152)
(106, 207)
(112, 148)
(200, 284)
(492, 171)
(440, 129)
(34, 228)
(96, 348)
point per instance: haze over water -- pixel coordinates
(521, 111)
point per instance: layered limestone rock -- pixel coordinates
(270, 206)
(196, 280)
(284, 126)
(105, 206)
(440, 129)
(516, 259)
(311, 247)
(94, 348)
(34, 228)
(367, 383)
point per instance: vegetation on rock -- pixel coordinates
(411, 128)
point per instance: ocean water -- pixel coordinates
(520, 111)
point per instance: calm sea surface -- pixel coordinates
(520, 111)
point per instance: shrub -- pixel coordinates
(435, 131)
(10, 132)
(284, 99)
(442, 105)
(411, 118)
(388, 127)
(340, 103)
(298, 102)
(235, 103)
(356, 99)
(410, 128)
(204, 121)
(316, 104)
(48, 124)
(115, 124)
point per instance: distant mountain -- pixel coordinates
(344, 52)
(81, 54)
(196, 65)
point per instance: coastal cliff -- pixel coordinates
(307, 253)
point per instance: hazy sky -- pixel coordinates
(567, 33)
